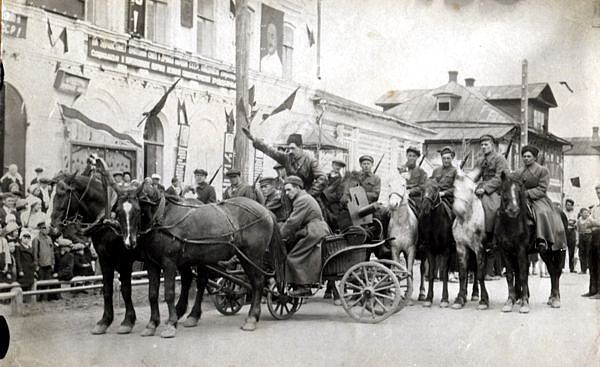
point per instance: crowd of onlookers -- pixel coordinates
(27, 252)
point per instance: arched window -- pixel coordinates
(13, 129)
(153, 146)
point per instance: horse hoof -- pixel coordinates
(457, 306)
(148, 331)
(422, 297)
(444, 304)
(482, 306)
(169, 331)
(507, 307)
(337, 302)
(474, 298)
(409, 302)
(125, 329)
(427, 304)
(250, 324)
(524, 309)
(190, 322)
(99, 329)
(555, 303)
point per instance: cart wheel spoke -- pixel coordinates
(384, 287)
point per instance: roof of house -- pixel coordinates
(471, 106)
(459, 133)
(583, 146)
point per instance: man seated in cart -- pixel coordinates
(303, 230)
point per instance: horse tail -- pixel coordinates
(278, 254)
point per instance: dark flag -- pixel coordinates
(63, 38)
(287, 104)
(251, 100)
(232, 7)
(49, 29)
(575, 182)
(311, 36)
(181, 109)
(230, 121)
(161, 103)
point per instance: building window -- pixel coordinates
(443, 106)
(288, 52)
(153, 146)
(156, 21)
(97, 12)
(538, 120)
(205, 33)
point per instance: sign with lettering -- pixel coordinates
(14, 25)
(70, 83)
(185, 66)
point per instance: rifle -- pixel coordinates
(215, 175)
(423, 158)
(378, 163)
(510, 143)
(257, 179)
(462, 164)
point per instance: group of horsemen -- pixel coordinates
(307, 202)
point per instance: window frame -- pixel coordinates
(152, 37)
(287, 50)
(205, 20)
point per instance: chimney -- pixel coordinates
(595, 133)
(470, 82)
(452, 76)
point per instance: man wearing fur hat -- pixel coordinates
(303, 230)
(445, 175)
(296, 162)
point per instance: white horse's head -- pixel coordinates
(397, 190)
(464, 192)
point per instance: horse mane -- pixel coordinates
(509, 178)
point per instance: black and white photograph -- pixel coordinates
(245, 183)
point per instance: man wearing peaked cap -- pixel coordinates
(156, 182)
(368, 180)
(416, 176)
(296, 162)
(304, 230)
(490, 165)
(38, 174)
(445, 176)
(203, 190)
(273, 197)
(241, 189)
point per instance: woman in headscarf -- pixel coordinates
(550, 232)
(12, 177)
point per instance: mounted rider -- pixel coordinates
(304, 230)
(444, 176)
(369, 180)
(490, 165)
(416, 177)
(296, 162)
(549, 229)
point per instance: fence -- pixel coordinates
(16, 294)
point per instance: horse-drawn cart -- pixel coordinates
(369, 290)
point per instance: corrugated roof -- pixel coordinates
(459, 133)
(537, 91)
(583, 146)
(471, 107)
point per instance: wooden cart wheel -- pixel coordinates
(281, 306)
(229, 298)
(370, 292)
(401, 274)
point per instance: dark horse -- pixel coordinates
(176, 236)
(516, 240)
(82, 200)
(435, 225)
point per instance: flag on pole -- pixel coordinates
(230, 121)
(63, 38)
(182, 110)
(575, 182)
(232, 7)
(49, 30)
(287, 104)
(160, 104)
(311, 36)
(251, 100)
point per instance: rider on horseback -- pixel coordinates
(444, 176)
(549, 230)
(304, 230)
(490, 165)
(416, 177)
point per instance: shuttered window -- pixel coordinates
(205, 33)
(156, 21)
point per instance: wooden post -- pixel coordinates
(319, 39)
(240, 145)
(524, 104)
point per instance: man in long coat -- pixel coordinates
(490, 165)
(594, 254)
(549, 229)
(445, 176)
(304, 230)
(296, 162)
(368, 180)
(333, 193)
(240, 189)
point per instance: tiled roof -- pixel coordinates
(583, 146)
(470, 107)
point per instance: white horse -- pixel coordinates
(403, 227)
(468, 231)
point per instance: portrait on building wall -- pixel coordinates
(271, 41)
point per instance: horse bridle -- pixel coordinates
(77, 217)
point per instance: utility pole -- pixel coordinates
(524, 103)
(319, 39)
(240, 144)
